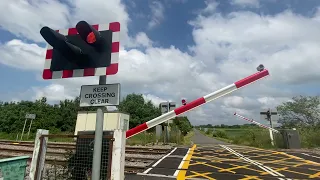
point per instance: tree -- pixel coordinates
(139, 109)
(301, 111)
(62, 117)
(183, 124)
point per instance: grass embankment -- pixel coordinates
(258, 137)
(187, 138)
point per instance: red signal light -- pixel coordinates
(91, 38)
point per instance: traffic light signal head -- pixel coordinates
(82, 51)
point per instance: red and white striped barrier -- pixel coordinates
(255, 122)
(193, 104)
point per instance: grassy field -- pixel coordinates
(258, 137)
(252, 137)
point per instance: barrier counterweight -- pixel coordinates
(200, 101)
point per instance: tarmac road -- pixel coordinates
(201, 139)
(212, 159)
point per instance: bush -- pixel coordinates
(209, 131)
(255, 137)
(220, 134)
(309, 136)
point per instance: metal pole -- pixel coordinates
(29, 128)
(25, 122)
(167, 133)
(98, 138)
(271, 125)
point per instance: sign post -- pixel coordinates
(32, 117)
(28, 116)
(267, 115)
(86, 50)
(165, 108)
(99, 95)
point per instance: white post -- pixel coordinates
(271, 137)
(24, 126)
(270, 131)
(35, 155)
(118, 153)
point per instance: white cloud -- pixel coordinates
(21, 55)
(140, 40)
(154, 99)
(27, 17)
(53, 92)
(211, 7)
(246, 3)
(227, 48)
(157, 14)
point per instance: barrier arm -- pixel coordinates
(200, 101)
(255, 122)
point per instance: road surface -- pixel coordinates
(212, 159)
(201, 139)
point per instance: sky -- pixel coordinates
(174, 49)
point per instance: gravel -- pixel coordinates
(144, 156)
(158, 146)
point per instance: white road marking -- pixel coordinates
(261, 166)
(155, 164)
(181, 163)
(310, 155)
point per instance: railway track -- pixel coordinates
(69, 146)
(56, 153)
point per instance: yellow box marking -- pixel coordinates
(315, 175)
(185, 165)
(196, 174)
(247, 177)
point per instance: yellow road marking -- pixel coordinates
(250, 178)
(185, 165)
(315, 175)
(247, 167)
(196, 174)
(216, 167)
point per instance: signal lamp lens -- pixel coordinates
(91, 38)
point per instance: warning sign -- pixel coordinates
(100, 95)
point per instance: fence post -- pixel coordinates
(118, 154)
(40, 147)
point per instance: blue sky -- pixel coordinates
(194, 28)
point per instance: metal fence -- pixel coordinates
(74, 161)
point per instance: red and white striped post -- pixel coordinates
(255, 122)
(193, 104)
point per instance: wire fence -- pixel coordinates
(76, 163)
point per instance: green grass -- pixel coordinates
(142, 138)
(258, 137)
(187, 138)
